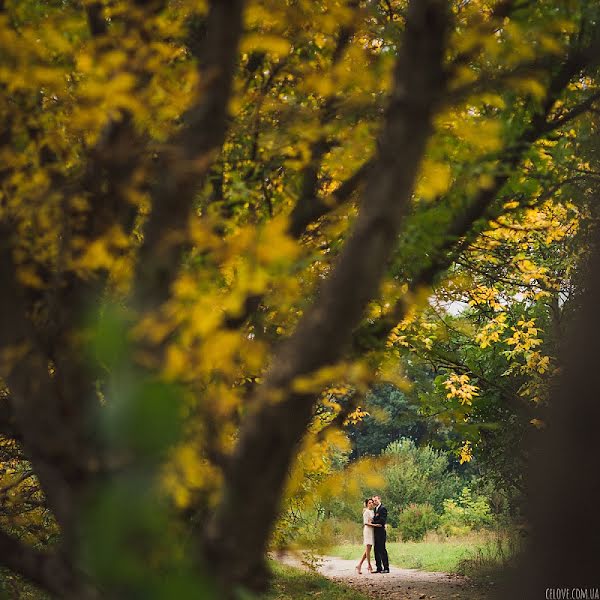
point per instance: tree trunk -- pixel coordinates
(563, 550)
(237, 536)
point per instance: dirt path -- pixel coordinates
(399, 584)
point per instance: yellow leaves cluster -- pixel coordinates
(389, 371)
(111, 83)
(466, 452)
(473, 133)
(314, 477)
(397, 338)
(100, 253)
(187, 474)
(523, 355)
(434, 180)
(64, 88)
(313, 468)
(154, 328)
(28, 276)
(357, 374)
(524, 336)
(482, 135)
(482, 294)
(524, 232)
(274, 246)
(530, 271)
(458, 386)
(274, 44)
(10, 356)
(530, 87)
(490, 333)
(504, 45)
(526, 358)
(356, 416)
(28, 52)
(535, 361)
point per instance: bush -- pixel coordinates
(344, 531)
(416, 520)
(494, 557)
(465, 513)
(416, 475)
(392, 533)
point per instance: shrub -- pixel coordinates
(416, 520)
(416, 475)
(392, 533)
(465, 513)
(495, 556)
(344, 531)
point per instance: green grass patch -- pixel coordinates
(429, 555)
(295, 584)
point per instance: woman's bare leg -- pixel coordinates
(368, 556)
(362, 559)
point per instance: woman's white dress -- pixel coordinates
(368, 532)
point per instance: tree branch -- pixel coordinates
(95, 16)
(314, 210)
(187, 160)
(305, 205)
(468, 223)
(575, 112)
(270, 435)
(49, 571)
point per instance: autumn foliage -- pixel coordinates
(223, 222)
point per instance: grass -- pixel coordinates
(497, 554)
(438, 554)
(294, 584)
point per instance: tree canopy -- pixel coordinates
(223, 222)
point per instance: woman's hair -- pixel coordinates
(367, 501)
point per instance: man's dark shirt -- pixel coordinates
(381, 556)
(380, 518)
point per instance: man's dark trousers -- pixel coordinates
(381, 555)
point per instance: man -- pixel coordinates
(379, 520)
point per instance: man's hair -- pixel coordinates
(377, 496)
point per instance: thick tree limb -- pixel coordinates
(8, 426)
(300, 220)
(308, 202)
(20, 479)
(49, 571)
(309, 211)
(269, 437)
(573, 113)
(50, 424)
(189, 156)
(564, 465)
(54, 414)
(95, 16)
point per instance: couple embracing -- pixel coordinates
(374, 519)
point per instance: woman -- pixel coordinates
(368, 535)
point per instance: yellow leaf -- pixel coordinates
(267, 42)
(434, 181)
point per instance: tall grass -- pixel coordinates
(475, 552)
(496, 554)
